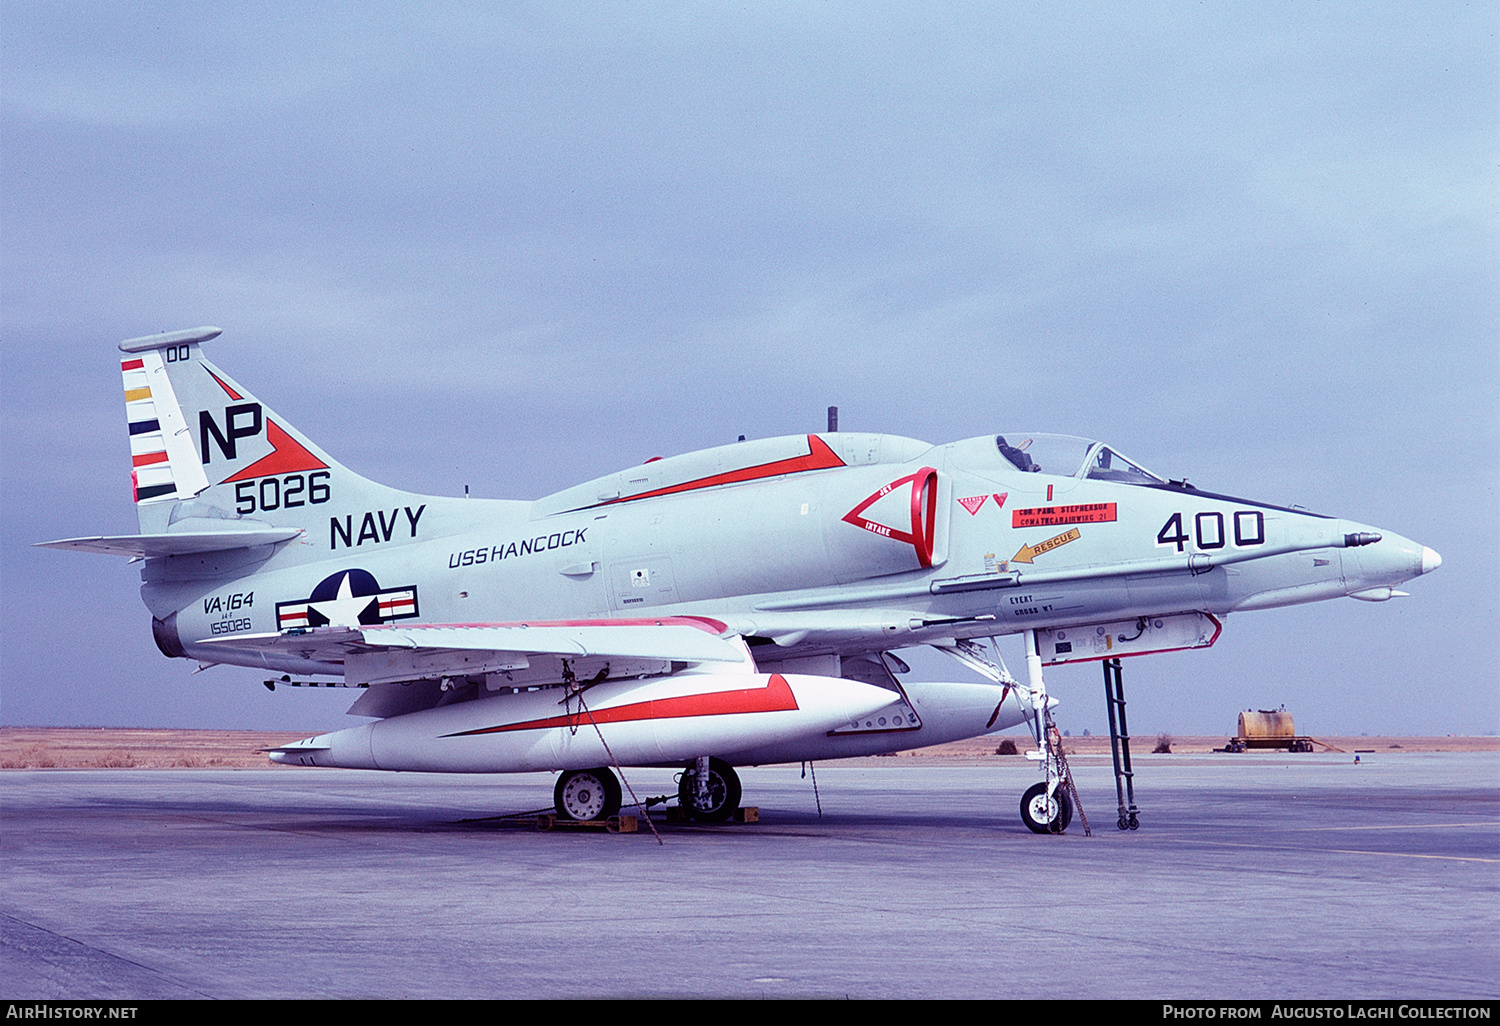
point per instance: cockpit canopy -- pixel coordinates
(1069, 456)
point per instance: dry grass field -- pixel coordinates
(137, 748)
(141, 748)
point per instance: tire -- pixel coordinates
(587, 795)
(1042, 816)
(723, 787)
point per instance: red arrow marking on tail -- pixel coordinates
(288, 455)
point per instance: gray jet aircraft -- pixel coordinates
(722, 608)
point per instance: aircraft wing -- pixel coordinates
(376, 654)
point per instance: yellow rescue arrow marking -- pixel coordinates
(1029, 551)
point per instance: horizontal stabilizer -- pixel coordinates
(175, 544)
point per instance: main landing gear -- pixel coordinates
(709, 790)
(587, 794)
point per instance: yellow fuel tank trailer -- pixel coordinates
(1268, 728)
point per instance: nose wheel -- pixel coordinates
(587, 794)
(1043, 813)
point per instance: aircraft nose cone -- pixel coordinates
(1387, 562)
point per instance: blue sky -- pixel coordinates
(514, 249)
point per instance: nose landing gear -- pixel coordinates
(1043, 813)
(1047, 807)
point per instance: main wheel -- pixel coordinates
(1043, 815)
(723, 792)
(587, 794)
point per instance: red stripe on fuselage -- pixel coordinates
(776, 696)
(819, 457)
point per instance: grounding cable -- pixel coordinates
(616, 763)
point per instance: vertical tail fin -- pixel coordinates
(203, 447)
